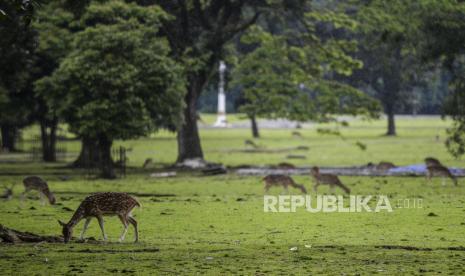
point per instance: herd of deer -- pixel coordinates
(434, 169)
(94, 206)
(121, 204)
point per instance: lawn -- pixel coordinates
(193, 224)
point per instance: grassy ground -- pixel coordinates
(216, 225)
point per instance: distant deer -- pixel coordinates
(147, 162)
(8, 194)
(384, 166)
(431, 161)
(440, 171)
(250, 143)
(329, 179)
(296, 134)
(281, 180)
(38, 184)
(285, 166)
(99, 205)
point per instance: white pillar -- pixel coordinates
(221, 120)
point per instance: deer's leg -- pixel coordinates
(267, 188)
(23, 194)
(42, 199)
(124, 221)
(315, 187)
(100, 222)
(86, 224)
(134, 223)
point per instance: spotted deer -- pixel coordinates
(99, 205)
(40, 185)
(282, 180)
(326, 178)
(440, 171)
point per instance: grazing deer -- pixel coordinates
(384, 166)
(147, 162)
(281, 180)
(285, 166)
(250, 143)
(8, 194)
(99, 205)
(441, 171)
(38, 184)
(431, 161)
(329, 179)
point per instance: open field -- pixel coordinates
(216, 225)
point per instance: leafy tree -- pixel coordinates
(388, 41)
(197, 35)
(16, 51)
(54, 26)
(288, 75)
(118, 81)
(443, 26)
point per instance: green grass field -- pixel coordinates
(216, 225)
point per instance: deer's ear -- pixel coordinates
(61, 223)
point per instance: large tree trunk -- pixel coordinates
(48, 131)
(89, 156)
(189, 146)
(253, 121)
(391, 126)
(8, 138)
(107, 168)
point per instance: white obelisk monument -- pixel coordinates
(221, 118)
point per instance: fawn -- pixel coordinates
(430, 161)
(281, 180)
(99, 205)
(8, 194)
(330, 179)
(441, 171)
(38, 184)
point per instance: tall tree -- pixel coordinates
(118, 81)
(288, 75)
(54, 26)
(197, 35)
(17, 45)
(388, 41)
(443, 25)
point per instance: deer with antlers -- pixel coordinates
(40, 185)
(99, 205)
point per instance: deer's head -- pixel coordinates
(67, 231)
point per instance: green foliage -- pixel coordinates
(286, 75)
(118, 80)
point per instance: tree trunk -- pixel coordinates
(8, 138)
(391, 127)
(255, 132)
(107, 168)
(189, 146)
(49, 139)
(89, 155)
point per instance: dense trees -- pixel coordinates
(121, 69)
(118, 81)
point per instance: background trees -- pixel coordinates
(118, 81)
